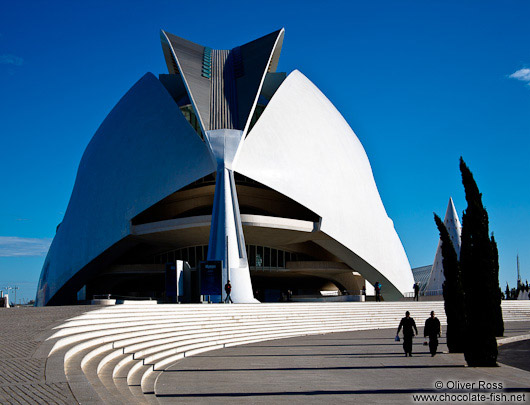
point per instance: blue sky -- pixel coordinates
(420, 82)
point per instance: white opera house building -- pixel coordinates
(224, 160)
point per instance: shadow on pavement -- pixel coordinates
(338, 392)
(391, 354)
(311, 368)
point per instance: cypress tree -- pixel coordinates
(452, 292)
(478, 272)
(496, 290)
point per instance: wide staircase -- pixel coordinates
(115, 354)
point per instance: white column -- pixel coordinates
(226, 228)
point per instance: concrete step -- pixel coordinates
(105, 372)
(82, 389)
(95, 330)
(120, 351)
(89, 365)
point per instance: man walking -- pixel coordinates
(408, 325)
(416, 291)
(433, 330)
(228, 290)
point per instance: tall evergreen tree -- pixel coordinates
(478, 272)
(453, 292)
(497, 292)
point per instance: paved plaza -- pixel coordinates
(363, 366)
(23, 355)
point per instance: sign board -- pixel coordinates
(211, 277)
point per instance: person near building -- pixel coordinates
(228, 290)
(416, 287)
(409, 326)
(377, 287)
(433, 330)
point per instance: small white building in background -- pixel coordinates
(452, 223)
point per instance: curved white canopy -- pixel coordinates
(303, 148)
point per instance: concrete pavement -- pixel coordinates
(363, 366)
(23, 355)
(516, 354)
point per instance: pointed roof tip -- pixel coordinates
(451, 215)
(163, 35)
(276, 34)
(278, 31)
(451, 205)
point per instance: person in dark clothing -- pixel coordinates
(433, 330)
(408, 325)
(416, 291)
(377, 287)
(228, 290)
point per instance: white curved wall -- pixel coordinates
(143, 151)
(302, 147)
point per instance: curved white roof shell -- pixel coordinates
(129, 165)
(302, 147)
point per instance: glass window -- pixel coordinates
(192, 260)
(281, 258)
(267, 257)
(252, 256)
(259, 256)
(190, 116)
(274, 258)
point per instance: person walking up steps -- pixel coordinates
(408, 325)
(433, 330)
(228, 290)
